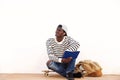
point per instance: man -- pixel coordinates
(56, 48)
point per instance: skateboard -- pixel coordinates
(46, 72)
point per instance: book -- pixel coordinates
(73, 54)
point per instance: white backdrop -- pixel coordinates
(25, 25)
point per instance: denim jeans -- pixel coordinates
(62, 68)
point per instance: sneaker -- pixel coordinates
(70, 76)
(77, 75)
(70, 79)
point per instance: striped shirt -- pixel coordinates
(56, 49)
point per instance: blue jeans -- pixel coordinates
(62, 68)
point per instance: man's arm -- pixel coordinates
(50, 50)
(73, 45)
(49, 46)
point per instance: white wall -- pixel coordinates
(25, 25)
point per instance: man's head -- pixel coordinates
(61, 30)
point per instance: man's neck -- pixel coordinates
(59, 39)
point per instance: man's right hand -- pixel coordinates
(66, 60)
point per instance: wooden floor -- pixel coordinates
(52, 77)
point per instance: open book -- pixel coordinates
(73, 54)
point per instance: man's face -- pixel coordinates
(59, 32)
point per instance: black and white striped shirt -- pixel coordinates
(57, 49)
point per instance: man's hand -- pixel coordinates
(48, 62)
(66, 60)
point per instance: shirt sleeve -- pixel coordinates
(50, 51)
(73, 45)
(49, 46)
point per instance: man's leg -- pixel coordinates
(70, 69)
(57, 67)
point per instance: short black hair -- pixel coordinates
(60, 26)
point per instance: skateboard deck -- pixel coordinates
(46, 72)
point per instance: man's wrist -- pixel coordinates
(60, 60)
